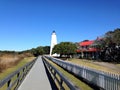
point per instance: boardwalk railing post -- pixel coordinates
(61, 78)
(102, 80)
(16, 82)
(18, 79)
(61, 82)
(9, 85)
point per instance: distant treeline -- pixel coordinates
(34, 51)
(39, 50)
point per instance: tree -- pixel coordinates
(34, 51)
(99, 43)
(110, 44)
(113, 37)
(46, 49)
(65, 48)
(116, 36)
(40, 50)
(110, 38)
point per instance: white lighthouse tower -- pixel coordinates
(53, 41)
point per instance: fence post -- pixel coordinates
(101, 80)
(118, 82)
(20, 74)
(8, 84)
(54, 75)
(61, 82)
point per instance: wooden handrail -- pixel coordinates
(102, 80)
(20, 75)
(62, 77)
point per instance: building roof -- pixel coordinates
(86, 43)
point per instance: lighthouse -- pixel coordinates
(53, 41)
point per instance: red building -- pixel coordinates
(86, 50)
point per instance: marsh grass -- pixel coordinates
(10, 60)
(8, 71)
(11, 69)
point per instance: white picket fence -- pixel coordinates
(103, 80)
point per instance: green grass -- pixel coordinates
(91, 64)
(12, 69)
(72, 78)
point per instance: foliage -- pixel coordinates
(110, 38)
(116, 36)
(46, 49)
(99, 43)
(65, 48)
(109, 45)
(40, 50)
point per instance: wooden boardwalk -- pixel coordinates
(37, 78)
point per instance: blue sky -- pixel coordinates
(25, 24)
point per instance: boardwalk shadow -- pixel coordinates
(52, 83)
